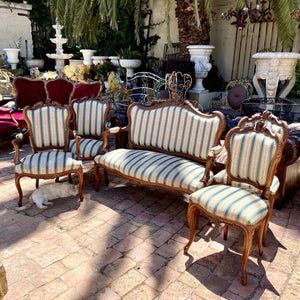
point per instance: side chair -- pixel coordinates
(59, 90)
(86, 89)
(253, 155)
(90, 118)
(48, 131)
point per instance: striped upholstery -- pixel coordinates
(174, 129)
(88, 147)
(89, 117)
(155, 167)
(44, 163)
(221, 178)
(251, 156)
(232, 203)
(48, 126)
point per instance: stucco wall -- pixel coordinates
(158, 15)
(15, 27)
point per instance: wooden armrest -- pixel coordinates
(15, 142)
(110, 131)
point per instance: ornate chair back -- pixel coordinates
(29, 92)
(82, 90)
(253, 155)
(90, 116)
(48, 126)
(59, 90)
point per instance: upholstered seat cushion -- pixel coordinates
(221, 177)
(47, 163)
(88, 147)
(155, 167)
(232, 203)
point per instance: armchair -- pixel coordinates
(253, 155)
(29, 92)
(90, 115)
(48, 129)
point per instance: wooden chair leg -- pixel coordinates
(80, 184)
(193, 213)
(260, 238)
(248, 237)
(225, 232)
(18, 186)
(37, 183)
(70, 178)
(97, 176)
(271, 202)
(106, 178)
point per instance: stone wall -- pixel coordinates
(15, 29)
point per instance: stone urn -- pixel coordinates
(12, 57)
(130, 65)
(87, 57)
(99, 59)
(200, 55)
(35, 63)
(271, 67)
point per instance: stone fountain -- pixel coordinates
(59, 56)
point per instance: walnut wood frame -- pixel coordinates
(35, 149)
(195, 208)
(184, 104)
(103, 102)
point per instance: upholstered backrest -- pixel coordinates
(86, 90)
(252, 154)
(178, 129)
(29, 91)
(48, 125)
(90, 116)
(59, 90)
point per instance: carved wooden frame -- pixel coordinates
(184, 104)
(35, 149)
(103, 102)
(195, 208)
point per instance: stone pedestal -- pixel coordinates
(200, 55)
(271, 67)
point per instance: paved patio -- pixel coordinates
(126, 242)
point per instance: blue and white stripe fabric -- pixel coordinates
(232, 203)
(174, 129)
(88, 147)
(44, 163)
(155, 167)
(251, 156)
(221, 178)
(48, 126)
(89, 117)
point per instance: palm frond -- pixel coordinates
(285, 24)
(167, 14)
(197, 13)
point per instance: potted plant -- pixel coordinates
(130, 60)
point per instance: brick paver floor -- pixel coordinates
(126, 242)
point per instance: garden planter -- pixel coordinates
(130, 65)
(200, 55)
(33, 63)
(272, 67)
(12, 57)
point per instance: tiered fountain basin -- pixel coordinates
(272, 67)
